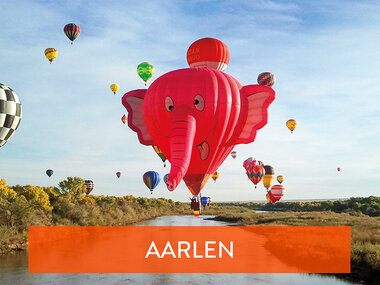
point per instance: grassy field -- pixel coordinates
(365, 232)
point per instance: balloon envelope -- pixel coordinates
(280, 179)
(166, 177)
(124, 119)
(10, 113)
(114, 87)
(291, 124)
(118, 174)
(276, 193)
(49, 172)
(151, 179)
(208, 53)
(233, 154)
(89, 186)
(205, 201)
(145, 70)
(160, 154)
(215, 175)
(51, 54)
(72, 31)
(266, 78)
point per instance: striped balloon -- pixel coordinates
(151, 180)
(72, 31)
(233, 154)
(276, 193)
(89, 186)
(51, 54)
(266, 78)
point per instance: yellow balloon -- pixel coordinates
(114, 87)
(291, 124)
(51, 54)
(280, 179)
(267, 180)
(215, 175)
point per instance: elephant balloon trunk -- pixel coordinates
(183, 129)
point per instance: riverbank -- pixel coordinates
(365, 235)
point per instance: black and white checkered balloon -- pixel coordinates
(10, 113)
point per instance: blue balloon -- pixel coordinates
(205, 201)
(166, 177)
(151, 179)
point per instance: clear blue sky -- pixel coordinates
(325, 55)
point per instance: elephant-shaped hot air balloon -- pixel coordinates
(151, 180)
(196, 116)
(49, 172)
(89, 186)
(10, 113)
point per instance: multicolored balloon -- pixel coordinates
(233, 154)
(89, 186)
(49, 172)
(118, 174)
(160, 154)
(185, 113)
(51, 54)
(280, 179)
(10, 113)
(114, 87)
(151, 180)
(208, 53)
(255, 173)
(124, 119)
(72, 31)
(145, 70)
(291, 124)
(266, 78)
(215, 176)
(275, 193)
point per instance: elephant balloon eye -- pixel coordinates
(199, 102)
(169, 104)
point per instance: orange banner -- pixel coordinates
(173, 249)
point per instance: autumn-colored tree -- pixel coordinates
(73, 185)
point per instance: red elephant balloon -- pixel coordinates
(196, 116)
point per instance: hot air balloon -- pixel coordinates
(215, 176)
(51, 54)
(266, 78)
(208, 53)
(124, 119)
(249, 162)
(196, 116)
(166, 177)
(269, 176)
(114, 87)
(89, 185)
(145, 70)
(291, 124)
(195, 203)
(280, 179)
(118, 174)
(151, 180)
(205, 201)
(49, 172)
(72, 31)
(276, 193)
(255, 173)
(10, 113)
(233, 154)
(160, 154)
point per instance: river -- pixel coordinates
(14, 268)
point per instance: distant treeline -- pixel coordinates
(369, 206)
(23, 206)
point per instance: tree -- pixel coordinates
(73, 185)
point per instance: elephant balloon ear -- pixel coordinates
(133, 102)
(259, 98)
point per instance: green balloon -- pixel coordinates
(145, 70)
